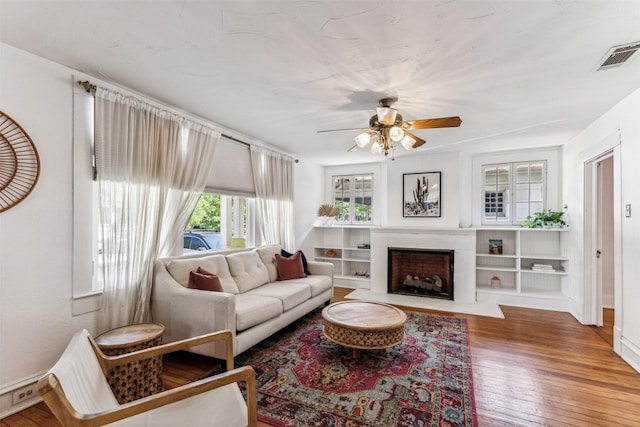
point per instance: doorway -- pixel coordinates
(602, 241)
(605, 245)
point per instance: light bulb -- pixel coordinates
(396, 134)
(363, 139)
(386, 115)
(407, 142)
(377, 148)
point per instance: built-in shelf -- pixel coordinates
(519, 284)
(348, 259)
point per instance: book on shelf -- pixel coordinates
(495, 246)
(542, 267)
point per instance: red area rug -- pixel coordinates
(306, 380)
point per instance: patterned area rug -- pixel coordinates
(306, 380)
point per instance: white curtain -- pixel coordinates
(273, 177)
(152, 167)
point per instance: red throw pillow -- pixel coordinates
(202, 279)
(205, 272)
(290, 268)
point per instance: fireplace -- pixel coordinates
(420, 272)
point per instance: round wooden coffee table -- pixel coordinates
(363, 325)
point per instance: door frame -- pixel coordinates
(592, 308)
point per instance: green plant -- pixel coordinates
(543, 219)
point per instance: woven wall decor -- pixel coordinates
(19, 163)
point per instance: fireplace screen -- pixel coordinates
(420, 272)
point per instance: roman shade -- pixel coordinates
(231, 173)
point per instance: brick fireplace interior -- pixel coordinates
(420, 272)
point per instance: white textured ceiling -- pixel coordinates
(518, 73)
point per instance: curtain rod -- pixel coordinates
(91, 88)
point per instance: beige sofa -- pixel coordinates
(254, 303)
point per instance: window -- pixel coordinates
(352, 195)
(512, 191)
(216, 220)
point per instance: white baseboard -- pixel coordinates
(6, 396)
(630, 353)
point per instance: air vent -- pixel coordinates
(619, 55)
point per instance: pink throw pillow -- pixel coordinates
(290, 268)
(202, 279)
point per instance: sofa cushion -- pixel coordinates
(290, 268)
(252, 310)
(248, 270)
(206, 282)
(291, 294)
(305, 266)
(216, 264)
(317, 283)
(268, 257)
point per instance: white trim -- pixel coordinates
(592, 301)
(629, 352)
(83, 304)
(6, 395)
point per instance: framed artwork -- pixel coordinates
(421, 194)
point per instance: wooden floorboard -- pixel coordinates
(533, 368)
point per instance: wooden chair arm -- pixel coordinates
(244, 374)
(108, 362)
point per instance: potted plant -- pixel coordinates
(545, 219)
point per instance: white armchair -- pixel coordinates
(77, 392)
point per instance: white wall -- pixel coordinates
(308, 178)
(387, 187)
(618, 124)
(448, 165)
(36, 319)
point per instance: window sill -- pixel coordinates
(88, 303)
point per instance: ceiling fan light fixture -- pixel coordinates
(386, 115)
(363, 139)
(377, 148)
(396, 134)
(407, 142)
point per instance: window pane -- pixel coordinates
(205, 227)
(536, 207)
(352, 196)
(522, 210)
(522, 192)
(522, 173)
(504, 173)
(535, 193)
(343, 205)
(490, 176)
(537, 172)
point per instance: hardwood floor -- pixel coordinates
(532, 368)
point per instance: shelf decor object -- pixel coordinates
(328, 214)
(545, 219)
(421, 194)
(495, 246)
(19, 163)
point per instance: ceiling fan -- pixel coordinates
(386, 128)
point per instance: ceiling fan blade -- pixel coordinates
(340, 130)
(443, 122)
(419, 141)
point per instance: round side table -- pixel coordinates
(138, 379)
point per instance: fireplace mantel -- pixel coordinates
(461, 240)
